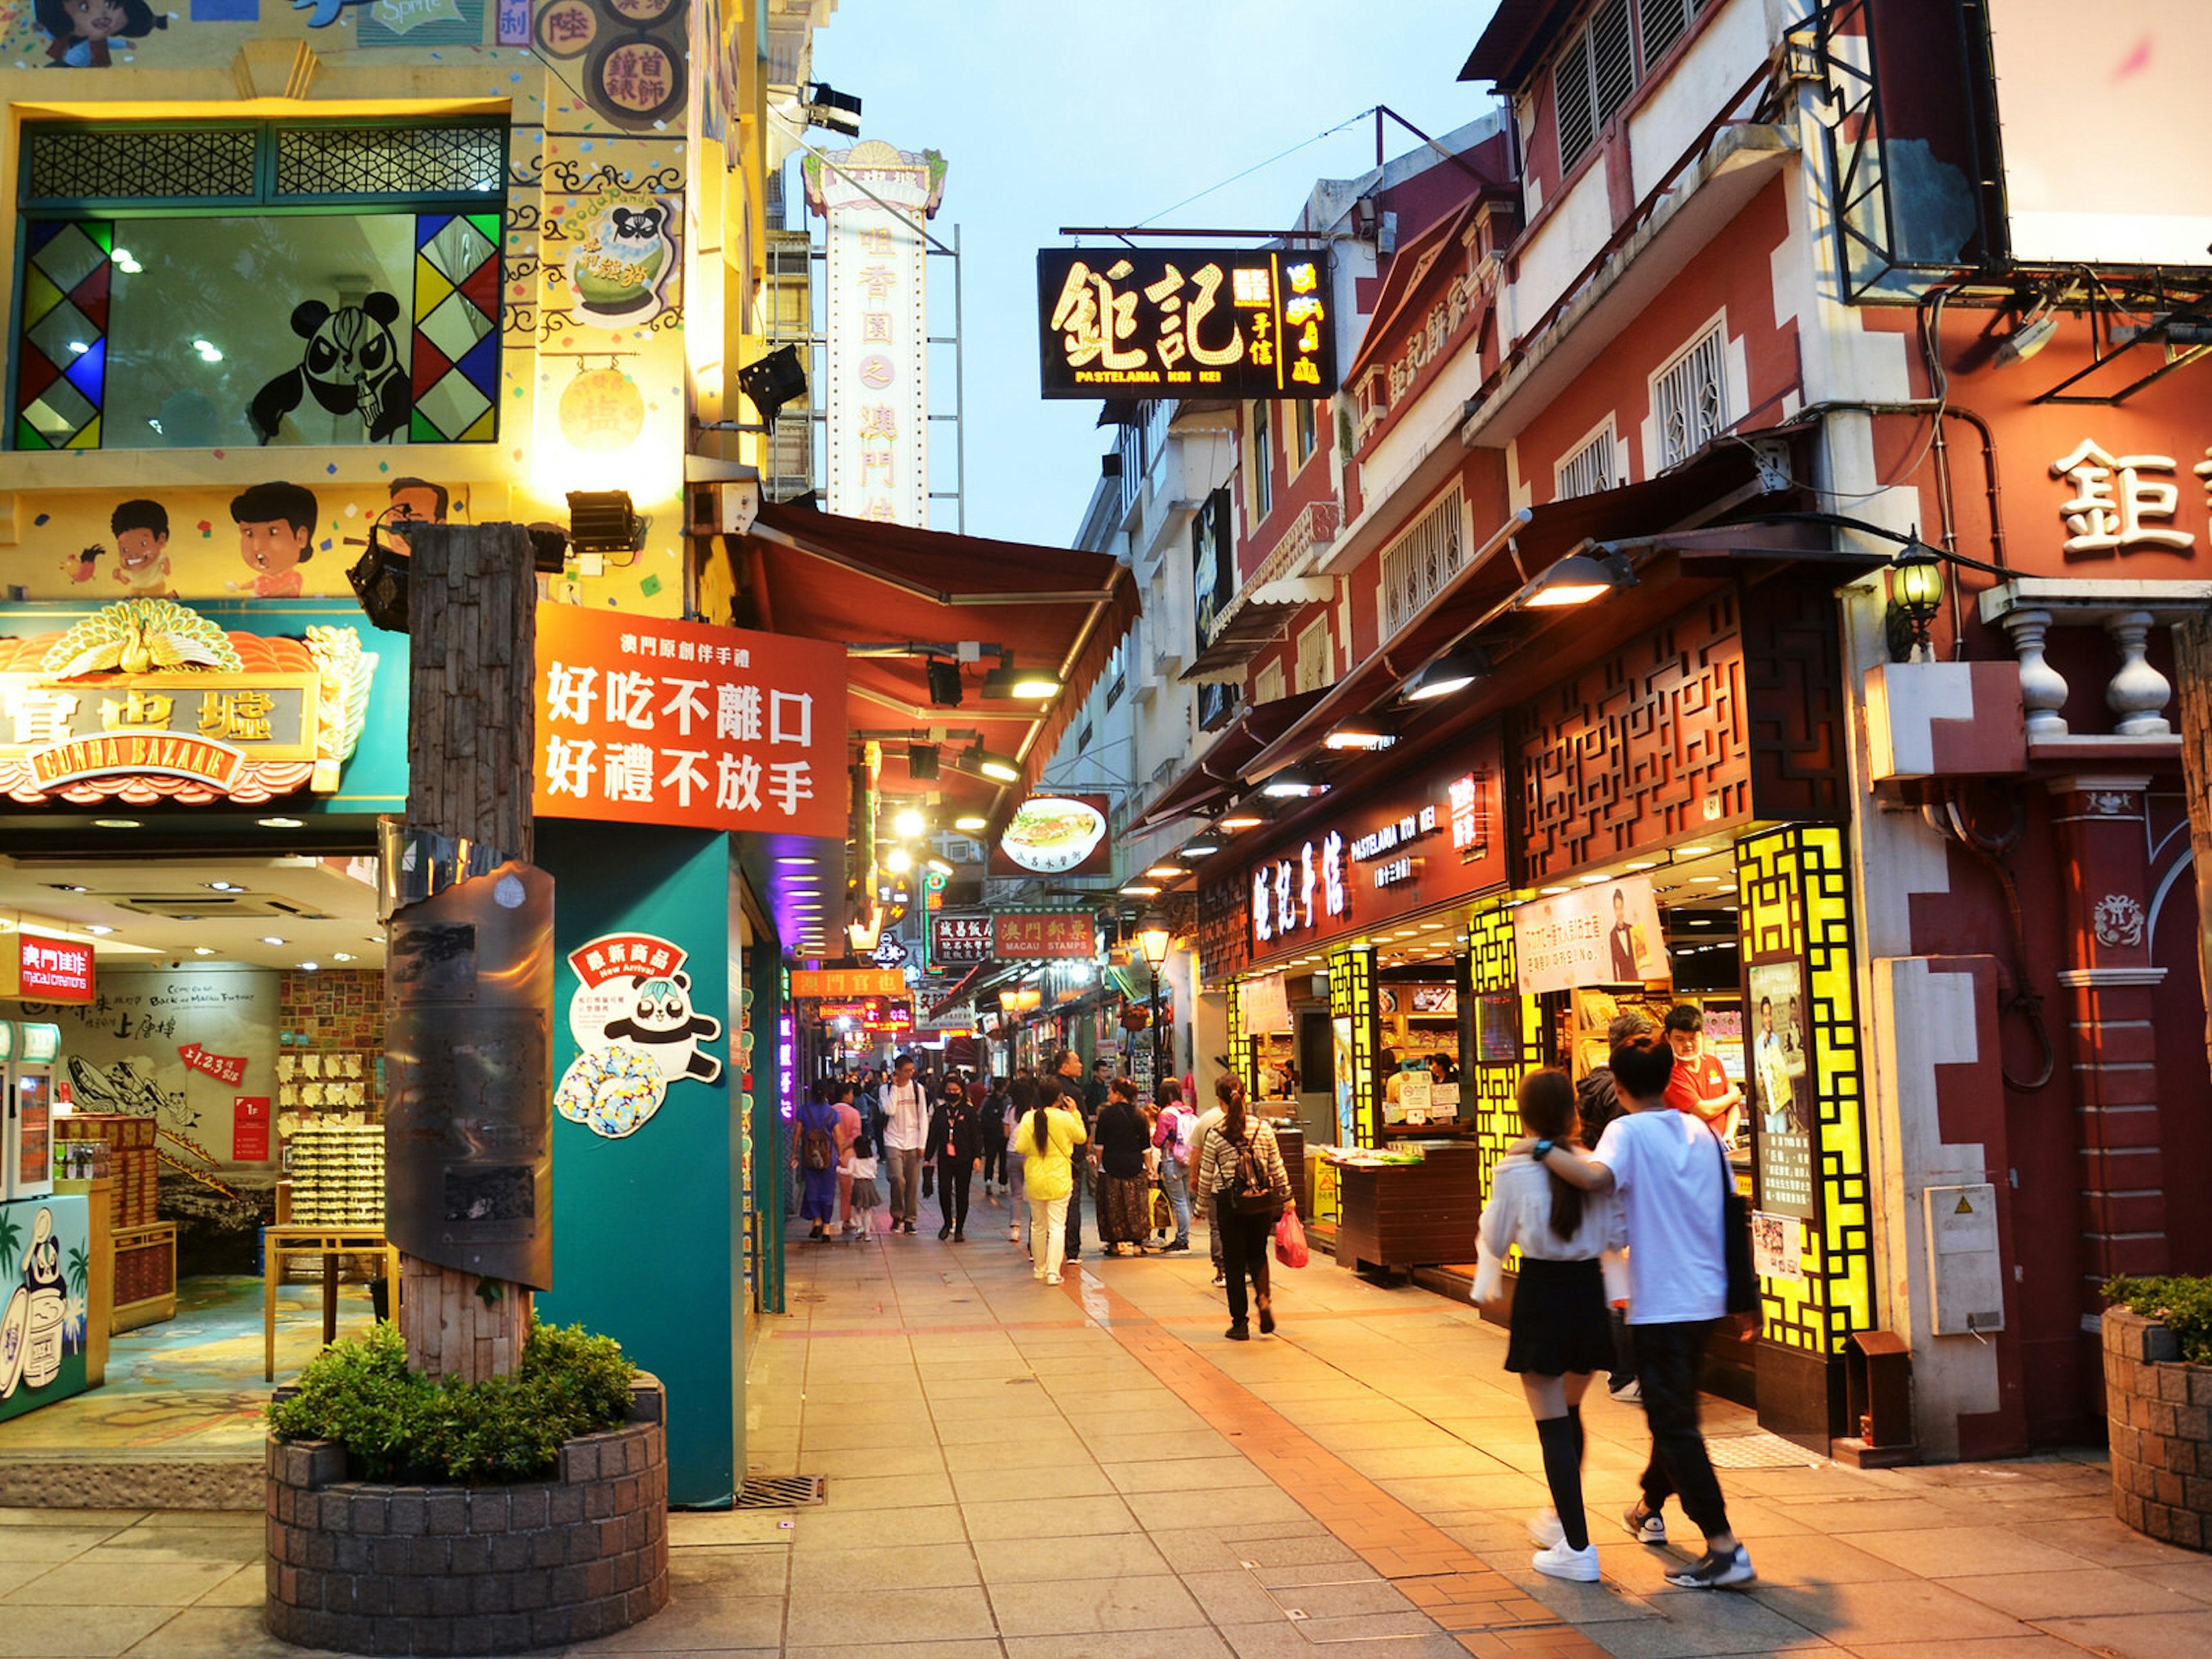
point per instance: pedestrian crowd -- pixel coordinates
(1617, 1211)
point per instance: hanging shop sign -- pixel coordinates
(147, 699)
(1033, 936)
(890, 952)
(641, 721)
(636, 1033)
(845, 982)
(40, 970)
(1427, 839)
(1055, 836)
(960, 941)
(1608, 934)
(1150, 322)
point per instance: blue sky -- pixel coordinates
(1054, 112)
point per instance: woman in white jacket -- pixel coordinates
(1560, 1334)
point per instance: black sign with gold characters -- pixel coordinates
(1180, 322)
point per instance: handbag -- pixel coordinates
(1290, 1239)
(928, 1179)
(1743, 1293)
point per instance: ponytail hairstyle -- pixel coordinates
(1169, 1093)
(1547, 1111)
(1230, 1092)
(1047, 1097)
(1123, 1089)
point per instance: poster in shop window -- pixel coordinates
(1608, 934)
(1784, 1113)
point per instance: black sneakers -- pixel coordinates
(1716, 1572)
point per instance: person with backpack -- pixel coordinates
(1244, 1172)
(1201, 1131)
(1560, 1334)
(817, 1160)
(1672, 1173)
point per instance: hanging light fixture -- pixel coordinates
(1293, 783)
(997, 768)
(1455, 670)
(1575, 580)
(1022, 684)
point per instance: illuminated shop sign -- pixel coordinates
(1170, 321)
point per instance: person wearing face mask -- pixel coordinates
(905, 1106)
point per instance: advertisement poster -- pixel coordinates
(636, 1033)
(1777, 1247)
(1055, 836)
(1604, 935)
(46, 1266)
(249, 1129)
(1497, 1029)
(1783, 1112)
(1347, 1112)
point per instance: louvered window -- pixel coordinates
(1419, 565)
(1589, 469)
(1663, 22)
(1613, 58)
(1268, 684)
(1571, 86)
(1690, 397)
(1604, 62)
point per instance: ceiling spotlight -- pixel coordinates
(281, 824)
(944, 684)
(95, 927)
(341, 955)
(1455, 670)
(270, 938)
(1293, 783)
(225, 887)
(310, 967)
(1575, 580)
(67, 887)
(1361, 740)
(1199, 847)
(201, 950)
(995, 767)
(973, 824)
(1022, 684)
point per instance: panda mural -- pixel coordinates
(636, 1033)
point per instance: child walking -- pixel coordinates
(867, 1198)
(1559, 1330)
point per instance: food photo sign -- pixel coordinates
(1055, 836)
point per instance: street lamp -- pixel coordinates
(1916, 594)
(1153, 940)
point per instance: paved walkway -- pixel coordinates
(1092, 1472)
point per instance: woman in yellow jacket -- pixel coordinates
(1046, 1139)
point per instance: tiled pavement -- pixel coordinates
(1092, 1472)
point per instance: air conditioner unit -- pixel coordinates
(722, 507)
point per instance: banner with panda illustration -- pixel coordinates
(636, 1031)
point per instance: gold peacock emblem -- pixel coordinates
(141, 636)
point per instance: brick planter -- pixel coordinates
(372, 1569)
(2159, 1412)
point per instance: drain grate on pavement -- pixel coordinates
(780, 1491)
(1760, 1450)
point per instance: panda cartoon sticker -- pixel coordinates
(636, 1033)
(621, 274)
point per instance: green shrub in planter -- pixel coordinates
(2183, 1305)
(396, 1423)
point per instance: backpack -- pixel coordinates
(816, 1151)
(1250, 1191)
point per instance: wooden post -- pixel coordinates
(472, 736)
(2192, 672)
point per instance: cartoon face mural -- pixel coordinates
(80, 29)
(637, 1032)
(276, 536)
(620, 274)
(351, 366)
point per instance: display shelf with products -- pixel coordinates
(337, 1174)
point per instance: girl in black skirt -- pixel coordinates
(1559, 1331)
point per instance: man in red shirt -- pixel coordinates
(1699, 1086)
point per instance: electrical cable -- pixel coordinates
(1254, 167)
(1992, 850)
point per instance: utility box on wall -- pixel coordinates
(1965, 1276)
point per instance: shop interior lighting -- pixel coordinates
(67, 887)
(1293, 783)
(1691, 852)
(98, 930)
(997, 768)
(311, 967)
(225, 887)
(281, 824)
(341, 955)
(115, 823)
(909, 822)
(1916, 594)
(971, 823)
(201, 950)
(1455, 670)
(1575, 580)
(1643, 864)
(1556, 890)
(1021, 684)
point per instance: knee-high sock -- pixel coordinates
(1563, 1472)
(1574, 1417)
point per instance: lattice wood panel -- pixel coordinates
(1352, 996)
(1225, 930)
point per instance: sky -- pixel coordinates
(1053, 112)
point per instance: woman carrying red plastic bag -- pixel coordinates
(1291, 1238)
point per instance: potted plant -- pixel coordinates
(2158, 1404)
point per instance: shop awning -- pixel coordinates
(1217, 775)
(831, 577)
(1517, 32)
(1717, 481)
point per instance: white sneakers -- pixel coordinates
(1560, 1561)
(1544, 1528)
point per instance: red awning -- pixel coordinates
(1216, 775)
(829, 577)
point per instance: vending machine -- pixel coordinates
(28, 1052)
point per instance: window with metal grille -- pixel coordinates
(1426, 556)
(158, 269)
(1313, 656)
(1588, 470)
(1689, 397)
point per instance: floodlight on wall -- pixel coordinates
(774, 381)
(944, 684)
(1575, 580)
(831, 110)
(604, 521)
(2033, 334)
(1021, 684)
(1293, 783)
(997, 768)
(1455, 670)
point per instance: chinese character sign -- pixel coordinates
(876, 200)
(1031, 936)
(41, 970)
(647, 722)
(959, 940)
(1167, 322)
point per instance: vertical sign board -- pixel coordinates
(876, 200)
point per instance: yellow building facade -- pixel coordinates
(277, 271)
